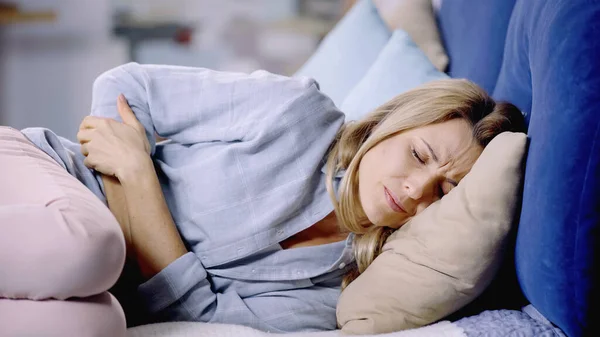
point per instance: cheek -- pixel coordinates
(378, 166)
(396, 165)
(367, 180)
(365, 174)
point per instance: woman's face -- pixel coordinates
(402, 175)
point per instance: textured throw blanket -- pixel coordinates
(505, 323)
(188, 329)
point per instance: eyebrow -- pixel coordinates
(433, 155)
(435, 159)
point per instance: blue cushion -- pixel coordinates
(347, 51)
(552, 69)
(474, 32)
(400, 66)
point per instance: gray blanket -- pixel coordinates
(509, 323)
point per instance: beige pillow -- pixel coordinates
(417, 18)
(446, 256)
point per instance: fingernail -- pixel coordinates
(122, 98)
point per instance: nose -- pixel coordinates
(421, 188)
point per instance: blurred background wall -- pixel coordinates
(52, 50)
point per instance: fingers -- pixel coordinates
(126, 113)
(84, 149)
(124, 110)
(88, 163)
(93, 122)
(84, 135)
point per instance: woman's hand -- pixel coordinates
(113, 148)
(136, 199)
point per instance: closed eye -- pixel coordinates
(417, 157)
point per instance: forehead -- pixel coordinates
(453, 143)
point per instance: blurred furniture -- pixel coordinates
(135, 32)
(315, 17)
(10, 13)
(325, 9)
(347, 4)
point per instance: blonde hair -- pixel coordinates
(434, 102)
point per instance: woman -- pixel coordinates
(262, 199)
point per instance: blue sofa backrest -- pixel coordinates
(474, 32)
(550, 68)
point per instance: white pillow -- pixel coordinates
(399, 67)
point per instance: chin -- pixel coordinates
(383, 219)
(375, 218)
(392, 221)
(391, 224)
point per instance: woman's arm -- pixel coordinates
(120, 151)
(193, 105)
(154, 237)
(178, 287)
(152, 244)
(115, 197)
(190, 105)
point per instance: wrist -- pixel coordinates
(137, 167)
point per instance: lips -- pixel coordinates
(393, 202)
